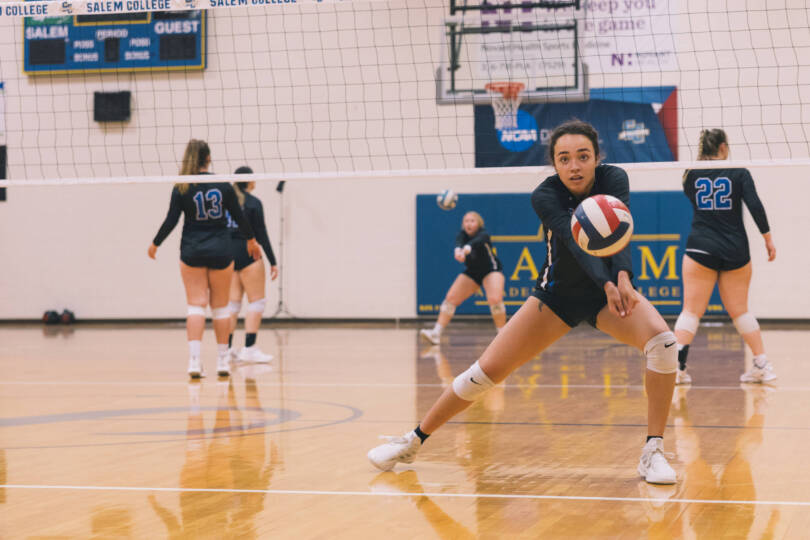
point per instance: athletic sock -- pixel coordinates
(222, 349)
(421, 434)
(230, 340)
(437, 329)
(761, 360)
(683, 351)
(250, 339)
(194, 348)
(654, 437)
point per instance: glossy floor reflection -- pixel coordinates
(102, 436)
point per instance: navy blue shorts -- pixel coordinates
(216, 262)
(573, 309)
(241, 257)
(716, 263)
(478, 277)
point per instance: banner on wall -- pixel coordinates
(662, 221)
(2, 114)
(2, 140)
(638, 124)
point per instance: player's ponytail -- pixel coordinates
(195, 158)
(709, 143)
(241, 187)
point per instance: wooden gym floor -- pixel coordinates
(102, 436)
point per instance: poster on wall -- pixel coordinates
(629, 36)
(662, 221)
(2, 139)
(2, 113)
(638, 124)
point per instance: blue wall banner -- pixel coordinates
(634, 124)
(662, 221)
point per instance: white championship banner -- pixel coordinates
(38, 8)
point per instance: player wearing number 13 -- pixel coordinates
(206, 262)
(717, 252)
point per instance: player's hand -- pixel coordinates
(254, 250)
(770, 247)
(627, 292)
(614, 300)
(152, 251)
(459, 255)
(273, 273)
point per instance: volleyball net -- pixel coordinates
(115, 89)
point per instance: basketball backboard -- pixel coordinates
(535, 43)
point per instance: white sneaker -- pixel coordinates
(233, 353)
(195, 369)
(653, 465)
(759, 375)
(397, 449)
(223, 365)
(682, 377)
(254, 354)
(431, 335)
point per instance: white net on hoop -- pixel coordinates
(505, 103)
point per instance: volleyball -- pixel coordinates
(602, 225)
(447, 199)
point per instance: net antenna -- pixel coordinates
(505, 103)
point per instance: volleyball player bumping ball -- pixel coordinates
(482, 269)
(573, 286)
(717, 252)
(206, 262)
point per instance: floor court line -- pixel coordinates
(738, 386)
(408, 494)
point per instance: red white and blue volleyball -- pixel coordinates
(602, 225)
(447, 199)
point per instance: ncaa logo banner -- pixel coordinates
(634, 124)
(662, 221)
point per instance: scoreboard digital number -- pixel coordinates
(146, 41)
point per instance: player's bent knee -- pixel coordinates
(497, 308)
(257, 306)
(196, 310)
(688, 322)
(746, 323)
(472, 384)
(235, 307)
(662, 353)
(448, 308)
(220, 313)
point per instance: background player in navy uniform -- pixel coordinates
(483, 269)
(717, 252)
(206, 263)
(573, 287)
(248, 276)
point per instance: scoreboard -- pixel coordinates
(156, 40)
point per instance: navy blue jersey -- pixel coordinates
(717, 196)
(568, 270)
(481, 258)
(205, 223)
(254, 212)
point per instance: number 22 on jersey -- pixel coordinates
(713, 195)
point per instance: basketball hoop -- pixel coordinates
(506, 105)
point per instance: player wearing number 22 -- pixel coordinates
(717, 252)
(206, 261)
(573, 287)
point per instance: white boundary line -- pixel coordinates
(434, 495)
(379, 385)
